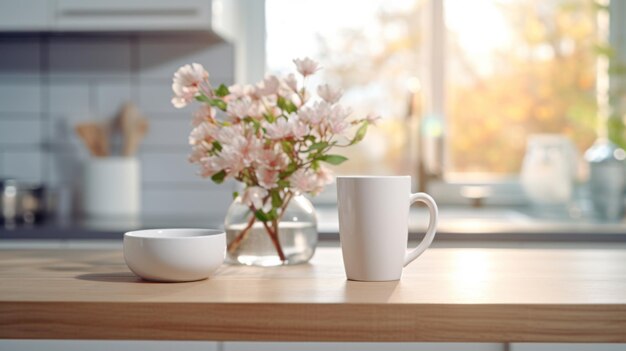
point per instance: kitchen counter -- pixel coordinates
(456, 223)
(474, 295)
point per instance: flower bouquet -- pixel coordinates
(273, 137)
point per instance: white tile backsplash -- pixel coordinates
(70, 98)
(90, 57)
(156, 97)
(173, 131)
(20, 132)
(160, 59)
(169, 168)
(110, 96)
(23, 165)
(69, 103)
(19, 95)
(50, 83)
(20, 57)
(207, 200)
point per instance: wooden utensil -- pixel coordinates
(133, 127)
(95, 136)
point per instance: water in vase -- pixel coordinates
(298, 240)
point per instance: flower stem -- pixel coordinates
(285, 204)
(273, 234)
(234, 245)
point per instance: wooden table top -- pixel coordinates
(482, 295)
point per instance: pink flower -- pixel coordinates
(240, 152)
(316, 114)
(269, 86)
(204, 131)
(239, 109)
(267, 178)
(209, 166)
(186, 83)
(198, 152)
(230, 160)
(228, 134)
(237, 91)
(329, 94)
(298, 128)
(303, 181)
(324, 176)
(291, 82)
(337, 122)
(280, 129)
(372, 118)
(273, 159)
(308, 181)
(306, 66)
(205, 113)
(253, 196)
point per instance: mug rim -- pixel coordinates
(174, 233)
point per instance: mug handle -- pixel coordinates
(432, 226)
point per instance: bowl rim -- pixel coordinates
(148, 233)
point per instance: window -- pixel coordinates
(460, 84)
(516, 68)
(368, 48)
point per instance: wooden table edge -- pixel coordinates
(596, 323)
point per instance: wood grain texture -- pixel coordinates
(480, 295)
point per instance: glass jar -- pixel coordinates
(252, 241)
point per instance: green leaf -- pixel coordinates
(286, 105)
(218, 177)
(333, 159)
(317, 146)
(281, 102)
(269, 117)
(222, 91)
(283, 183)
(360, 133)
(287, 147)
(235, 194)
(277, 201)
(218, 103)
(291, 167)
(261, 216)
(272, 214)
(217, 146)
(203, 98)
(315, 165)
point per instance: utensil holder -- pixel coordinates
(111, 187)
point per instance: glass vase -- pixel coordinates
(291, 239)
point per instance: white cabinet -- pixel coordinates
(565, 347)
(25, 15)
(110, 15)
(107, 345)
(132, 15)
(360, 346)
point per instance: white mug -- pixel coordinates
(373, 225)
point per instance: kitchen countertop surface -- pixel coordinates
(455, 223)
(477, 295)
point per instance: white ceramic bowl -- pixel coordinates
(174, 255)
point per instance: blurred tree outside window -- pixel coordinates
(512, 68)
